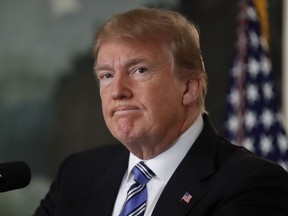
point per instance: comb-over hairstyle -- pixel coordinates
(165, 26)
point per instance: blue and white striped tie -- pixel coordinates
(135, 203)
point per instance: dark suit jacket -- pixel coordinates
(223, 179)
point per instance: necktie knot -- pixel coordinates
(142, 173)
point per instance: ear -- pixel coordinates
(191, 92)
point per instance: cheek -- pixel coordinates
(105, 108)
(163, 103)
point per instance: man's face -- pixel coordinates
(141, 98)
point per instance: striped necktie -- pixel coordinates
(135, 203)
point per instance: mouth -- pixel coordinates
(124, 110)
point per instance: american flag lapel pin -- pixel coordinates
(186, 197)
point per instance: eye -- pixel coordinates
(141, 73)
(105, 76)
(141, 70)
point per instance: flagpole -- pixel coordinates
(285, 65)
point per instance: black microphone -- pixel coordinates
(14, 175)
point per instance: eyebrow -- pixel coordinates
(135, 61)
(101, 67)
(127, 64)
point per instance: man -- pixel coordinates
(153, 85)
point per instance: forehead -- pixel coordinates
(124, 49)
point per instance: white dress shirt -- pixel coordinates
(163, 165)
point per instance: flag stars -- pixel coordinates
(268, 91)
(250, 120)
(283, 143)
(234, 97)
(266, 145)
(267, 119)
(233, 124)
(236, 69)
(251, 13)
(252, 93)
(265, 65)
(253, 67)
(249, 144)
(254, 39)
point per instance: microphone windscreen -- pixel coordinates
(14, 175)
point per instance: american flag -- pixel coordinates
(252, 117)
(186, 197)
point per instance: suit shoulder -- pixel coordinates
(99, 157)
(241, 159)
(244, 162)
(101, 152)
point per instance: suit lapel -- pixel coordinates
(197, 165)
(106, 188)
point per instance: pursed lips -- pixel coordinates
(124, 110)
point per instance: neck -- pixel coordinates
(150, 148)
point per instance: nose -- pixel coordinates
(121, 88)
